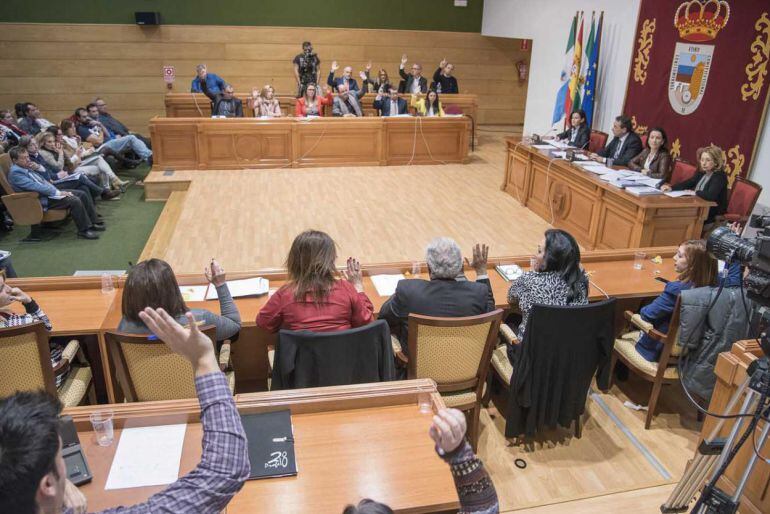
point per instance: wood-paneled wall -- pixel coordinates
(61, 67)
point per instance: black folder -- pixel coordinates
(271, 444)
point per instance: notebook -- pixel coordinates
(270, 438)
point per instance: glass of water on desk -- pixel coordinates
(101, 421)
(639, 258)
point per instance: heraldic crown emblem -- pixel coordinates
(700, 21)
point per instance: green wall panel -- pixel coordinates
(391, 14)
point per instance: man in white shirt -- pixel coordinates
(414, 83)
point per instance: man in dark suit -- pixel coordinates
(446, 294)
(624, 146)
(415, 82)
(346, 78)
(390, 105)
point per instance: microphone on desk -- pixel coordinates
(537, 139)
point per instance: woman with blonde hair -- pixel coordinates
(264, 103)
(709, 182)
(314, 298)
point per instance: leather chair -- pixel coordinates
(597, 141)
(25, 365)
(643, 137)
(148, 370)
(659, 373)
(683, 170)
(743, 197)
(468, 342)
(25, 208)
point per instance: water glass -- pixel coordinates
(107, 285)
(101, 421)
(425, 403)
(533, 263)
(610, 162)
(415, 269)
(639, 258)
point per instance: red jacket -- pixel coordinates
(300, 110)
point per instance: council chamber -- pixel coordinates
(371, 258)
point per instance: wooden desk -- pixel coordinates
(238, 143)
(730, 370)
(597, 214)
(351, 442)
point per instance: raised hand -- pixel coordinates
(19, 295)
(480, 256)
(215, 273)
(353, 274)
(335, 66)
(448, 429)
(443, 63)
(363, 75)
(404, 59)
(368, 66)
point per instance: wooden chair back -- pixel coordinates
(455, 352)
(148, 370)
(597, 140)
(743, 198)
(25, 360)
(683, 170)
(643, 137)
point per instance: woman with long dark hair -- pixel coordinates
(556, 279)
(655, 160)
(311, 104)
(579, 133)
(430, 105)
(314, 298)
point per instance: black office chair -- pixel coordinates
(316, 359)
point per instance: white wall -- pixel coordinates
(547, 23)
(761, 165)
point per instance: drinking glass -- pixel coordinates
(107, 285)
(102, 424)
(639, 258)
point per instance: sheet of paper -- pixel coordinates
(678, 194)
(147, 456)
(74, 176)
(558, 144)
(193, 293)
(386, 284)
(559, 155)
(613, 176)
(581, 157)
(643, 191)
(543, 147)
(246, 287)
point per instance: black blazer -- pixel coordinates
(447, 298)
(383, 105)
(715, 191)
(632, 146)
(448, 84)
(582, 137)
(406, 84)
(218, 98)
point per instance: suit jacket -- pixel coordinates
(383, 105)
(582, 137)
(24, 180)
(448, 84)
(340, 108)
(660, 167)
(715, 191)
(218, 98)
(333, 82)
(406, 84)
(630, 149)
(437, 297)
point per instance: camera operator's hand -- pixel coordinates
(736, 228)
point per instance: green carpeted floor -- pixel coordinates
(129, 223)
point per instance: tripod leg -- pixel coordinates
(752, 461)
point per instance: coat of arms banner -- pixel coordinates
(700, 71)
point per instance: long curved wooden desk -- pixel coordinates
(240, 143)
(598, 214)
(391, 458)
(77, 307)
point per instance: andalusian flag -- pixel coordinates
(573, 96)
(562, 94)
(592, 75)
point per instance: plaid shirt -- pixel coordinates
(224, 464)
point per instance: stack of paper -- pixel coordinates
(543, 147)
(614, 175)
(386, 284)
(595, 167)
(581, 157)
(643, 191)
(559, 155)
(678, 194)
(558, 144)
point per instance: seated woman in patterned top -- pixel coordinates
(556, 279)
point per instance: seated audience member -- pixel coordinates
(22, 178)
(443, 81)
(556, 279)
(18, 110)
(6, 266)
(49, 172)
(9, 129)
(346, 78)
(85, 160)
(625, 144)
(152, 283)
(475, 488)
(264, 103)
(92, 131)
(709, 182)
(113, 125)
(52, 153)
(695, 268)
(392, 105)
(578, 134)
(413, 83)
(379, 85)
(311, 104)
(446, 294)
(32, 313)
(314, 298)
(307, 68)
(225, 103)
(33, 475)
(33, 122)
(654, 161)
(346, 103)
(428, 106)
(214, 83)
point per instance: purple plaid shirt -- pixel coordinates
(224, 464)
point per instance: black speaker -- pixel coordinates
(147, 18)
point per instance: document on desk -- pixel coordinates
(679, 194)
(543, 147)
(595, 167)
(386, 284)
(559, 155)
(239, 288)
(147, 456)
(193, 293)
